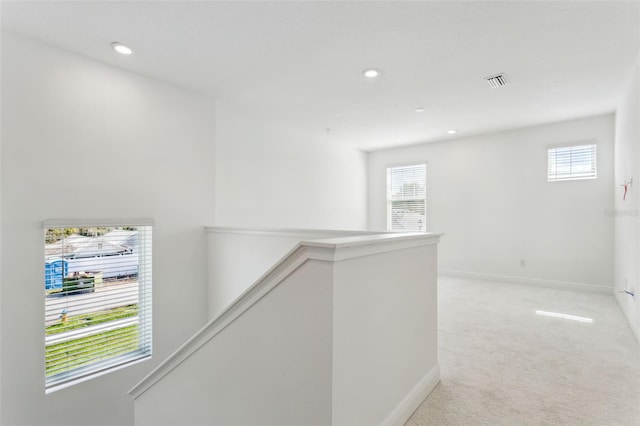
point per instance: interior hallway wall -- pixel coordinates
(269, 176)
(490, 197)
(627, 212)
(81, 139)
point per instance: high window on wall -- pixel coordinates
(572, 162)
(97, 294)
(406, 198)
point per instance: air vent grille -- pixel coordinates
(496, 81)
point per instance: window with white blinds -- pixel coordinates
(406, 198)
(97, 292)
(572, 162)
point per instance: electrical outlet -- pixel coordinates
(523, 263)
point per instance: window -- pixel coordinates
(406, 198)
(97, 292)
(572, 162)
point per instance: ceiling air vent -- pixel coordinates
(496, 81)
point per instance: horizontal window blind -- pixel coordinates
(406, 198)
(97, 286)
(572, 162)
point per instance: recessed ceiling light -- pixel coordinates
(121, 48)
(420, 109)
(452, 131)
(371, 73)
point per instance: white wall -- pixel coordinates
(342, 331)
(272, 365)
(239, 256)
(237, 260)
(268, 176)
(84, 140)
(627, 212)
(489, 195)
(384, 334)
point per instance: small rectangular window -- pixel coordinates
(572, 162)
(406, 198)
(97, 294)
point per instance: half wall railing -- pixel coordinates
(340, 330)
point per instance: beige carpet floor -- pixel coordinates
(503, 364)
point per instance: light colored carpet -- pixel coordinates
(502, 364)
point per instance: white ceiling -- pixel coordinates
(300, 63)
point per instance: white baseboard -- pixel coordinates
(566, 285)
(414, 398)
(621, 299)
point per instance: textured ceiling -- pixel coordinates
(300, 64)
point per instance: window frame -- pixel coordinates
(572, 176)
(144, 318)
(389, 202)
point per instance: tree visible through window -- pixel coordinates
(406, 198)
(97, 291)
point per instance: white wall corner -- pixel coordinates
(633, 325)
(414, 398)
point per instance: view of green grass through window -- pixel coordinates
(97, 300)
